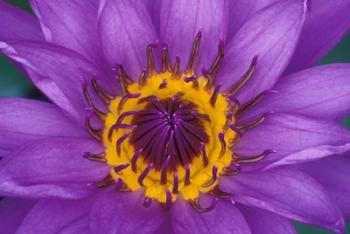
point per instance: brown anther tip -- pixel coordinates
(108, 180)
(95, 157)
(217, 192)
(97, 134)
(196, 205)
(213, 178)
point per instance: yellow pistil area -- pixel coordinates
(200, 174)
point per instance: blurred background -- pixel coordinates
(13, 83)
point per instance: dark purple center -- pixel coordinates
(169, 132)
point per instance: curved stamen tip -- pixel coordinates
(196, 205)
(121, 167)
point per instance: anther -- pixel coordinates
(204, 154)
(143, 78)
(151, 98)
(168, 199)
(165, 59)
(101, 115)
(124, 79)
(223, 143)
(196, 205)
(252, 124)
(163, 173)
(192, 61)
(119, 126)
(147, 202)
(134, 159)
(125, 98)
(150, 59)
(176, 69)
(120, 141)
(93, 132)
(217, 192)
(163, 84)
(106, 97)
(101, 157)
(235, 129)
(188, 175)
(108, 180)
(249, 73)
(176, 183)
(144, 174)
(211, 73)
(193, 80)
(231, 170)
(126, 114)
(213, 178)
(121, 167)
(251, 159)
(214, 96)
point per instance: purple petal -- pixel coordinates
(125, 30)
(181, 21)
(261, 221)
(44, 63)
(23, 120)
(52, 167)
(326, 24)
(333, 174)
(294, 137)
(289, 193)
(12, 213)
(72, 24)
(56, 216)
(115, 212)
(322, 92)
(272, 35)
(241, 10)
(16, 24)
(224, 218)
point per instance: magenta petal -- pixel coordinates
(72, 24)
(44, 62)
(12, 213)
(225, 218)
(57, 216)
(321, 92)
(52, 167)
(115, 212)
(182, 20)
(295, 139)
(23, 120)
(289, 193)
(16, 24)
(326, 24)
(125, 31)
(333, 174)
(272, 34)
(262, 221)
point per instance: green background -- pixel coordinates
(13, 83)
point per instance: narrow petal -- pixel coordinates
(321, 92)
(44, 62)
(289, 193)
(295, 137)
(55, 216)
(52, 167)
(16, 24)
(125, 30)
(181, 21)
(333, 174)
(23, 120)
(261, 221)
(325, 26)
(12, 213)
(72, 24)
(225, 218)
(115, 212)
(272, 35)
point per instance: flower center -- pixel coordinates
(171, 134)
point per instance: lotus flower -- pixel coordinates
(175, 117)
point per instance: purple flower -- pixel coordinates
(175, 117)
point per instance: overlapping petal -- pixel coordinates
(24, 120)
(321, 92)
(52, 167)
(71, 24)
(180, 21)
(272, 34)
(125, 30)
(16, 24)
(225, 218)
(289, 193)
(326, 24)
(115, 212)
